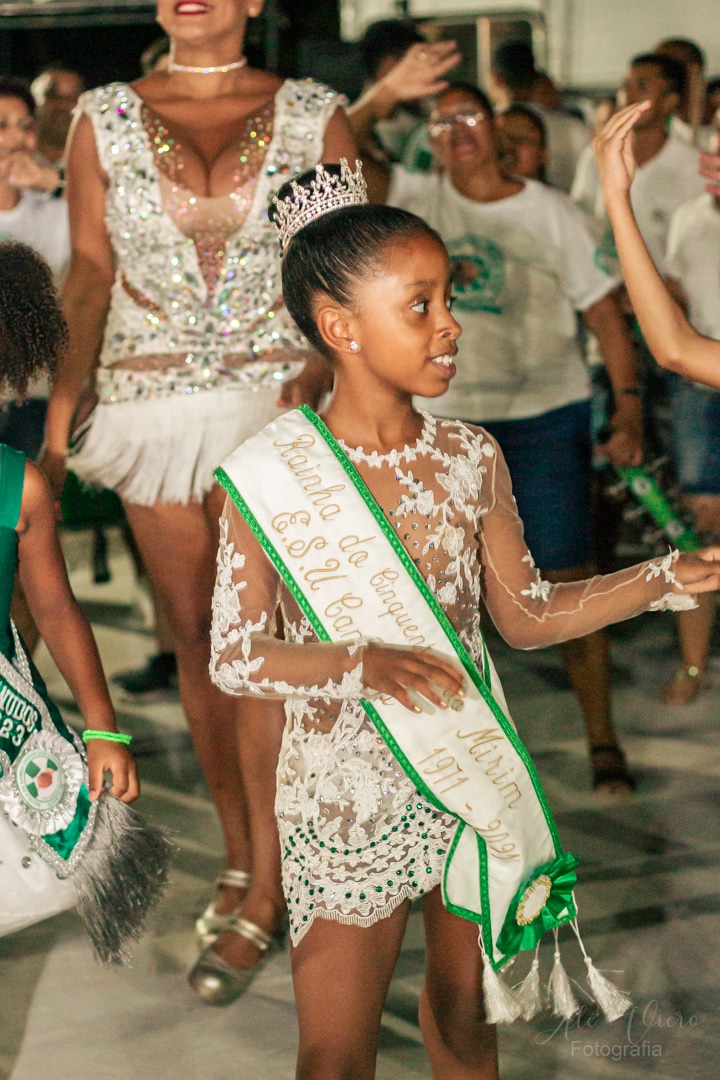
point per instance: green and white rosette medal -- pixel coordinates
(340, 558)
(43, 771)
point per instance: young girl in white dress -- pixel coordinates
(369, 286)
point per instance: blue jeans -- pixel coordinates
(550, 462)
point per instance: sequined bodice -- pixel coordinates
(197, 277)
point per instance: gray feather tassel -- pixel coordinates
(120, 878)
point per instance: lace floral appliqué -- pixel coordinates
(357, 837)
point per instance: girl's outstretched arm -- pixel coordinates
(670, 337)
(531, 613)
(67, 634)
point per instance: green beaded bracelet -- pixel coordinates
(111, 736)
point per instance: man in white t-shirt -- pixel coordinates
(666, 177)
(36, 219)
(514, 78)
(687, 123)
(523, 266)
(56, 91)
(693, 261)
(667, 169)
(41, 223)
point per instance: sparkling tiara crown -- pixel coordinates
(325, 193)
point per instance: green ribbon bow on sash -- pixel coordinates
(540, 904)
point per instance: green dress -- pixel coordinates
(12, 477)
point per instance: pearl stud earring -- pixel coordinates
(354, 346)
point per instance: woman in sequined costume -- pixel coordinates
(174, 293)
(370, 285)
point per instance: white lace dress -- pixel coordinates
(357, 838)
(198, 340)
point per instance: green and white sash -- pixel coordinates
(340, 558)
(43, 770)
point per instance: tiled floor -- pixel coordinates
(649, 899)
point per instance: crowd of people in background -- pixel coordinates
(507, 177)
(524, 130)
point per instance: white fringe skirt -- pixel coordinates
(164, 448)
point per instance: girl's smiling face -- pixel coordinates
(401, 320)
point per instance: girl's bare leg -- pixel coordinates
(341, 976)
(460, 1044)
(179, 544)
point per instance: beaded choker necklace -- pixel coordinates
(222, 68)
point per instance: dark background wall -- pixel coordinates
(294, 37)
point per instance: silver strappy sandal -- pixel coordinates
(210, 925)
(217, 981)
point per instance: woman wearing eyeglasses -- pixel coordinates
(524, 266)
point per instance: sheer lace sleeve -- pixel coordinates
(531, 613)
(246, 655)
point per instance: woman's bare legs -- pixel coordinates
(341, 976)
(695, 626)
(694, 629)
(460, 1044)
(259, 732)
(179, 544)
(587, 661)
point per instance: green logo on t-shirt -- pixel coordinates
(606, 254)
(478, 273)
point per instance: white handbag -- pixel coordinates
(30, 890)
